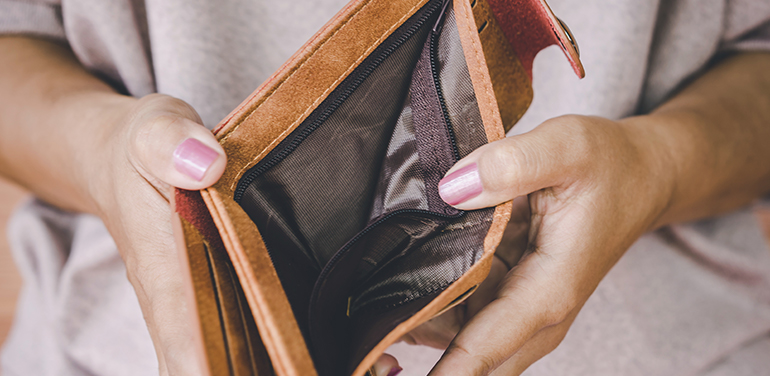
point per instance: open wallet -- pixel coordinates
(325, 240)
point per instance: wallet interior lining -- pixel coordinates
(344, 203)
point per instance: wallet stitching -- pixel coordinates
(373, 306)
(480, 58)
(321, 98)
(451, 228)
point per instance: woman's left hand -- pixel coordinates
(593, 187)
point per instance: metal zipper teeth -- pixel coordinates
(260, 169)
(434, 68)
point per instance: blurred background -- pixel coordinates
(10, 281)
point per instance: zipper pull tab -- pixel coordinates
(439, 24)
(350, 300)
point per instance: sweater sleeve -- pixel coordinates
(36, 18)
(757, 39)
(746, 26)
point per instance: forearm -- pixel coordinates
(51, 116)
(712, 140)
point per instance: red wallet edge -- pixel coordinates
(528, 38)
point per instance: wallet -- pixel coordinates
(325, 240)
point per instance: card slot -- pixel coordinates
(329, 323)
(429, 267)
(246, 354)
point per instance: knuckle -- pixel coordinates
(481, 363)
(161, 100)
(177, 106)
(501, 168)
(555, 342)
(158, 105)
(560, 312)
(159, 129)
(148, 135)
(557, 315)
(162, 123)
(575, 139)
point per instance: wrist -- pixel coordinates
(90, 145)
(104, 156)
(659, 168)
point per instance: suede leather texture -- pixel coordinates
(510, 80)
(531, 26)
(231, 341)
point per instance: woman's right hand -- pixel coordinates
(74, 142)
(152, 145)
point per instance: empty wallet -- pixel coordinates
(325, 240)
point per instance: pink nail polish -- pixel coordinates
(395, 371)
(193, 158)
(461, 185)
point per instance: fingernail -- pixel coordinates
(193, 158)
(395, 371)
(461, 185)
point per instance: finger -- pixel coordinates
(160, 287)
(387, 365)
(541, 344)
(516, 235)
(145, 239)
(532, 298)
(515, 166)
(485, 293)
(439, 331)
(169, 147)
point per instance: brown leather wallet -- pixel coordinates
(325, 240)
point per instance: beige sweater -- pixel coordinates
(691, 299)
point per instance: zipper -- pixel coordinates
(343, 251)
(326, 270)
(440, 21)
(434, 63)
(434, 37)
(263, 166)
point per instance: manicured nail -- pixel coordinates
(461, 185)
(395, 371)
(193, 158)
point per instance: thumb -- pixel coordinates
(386, 365)
(170, 147)
(505, 169)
